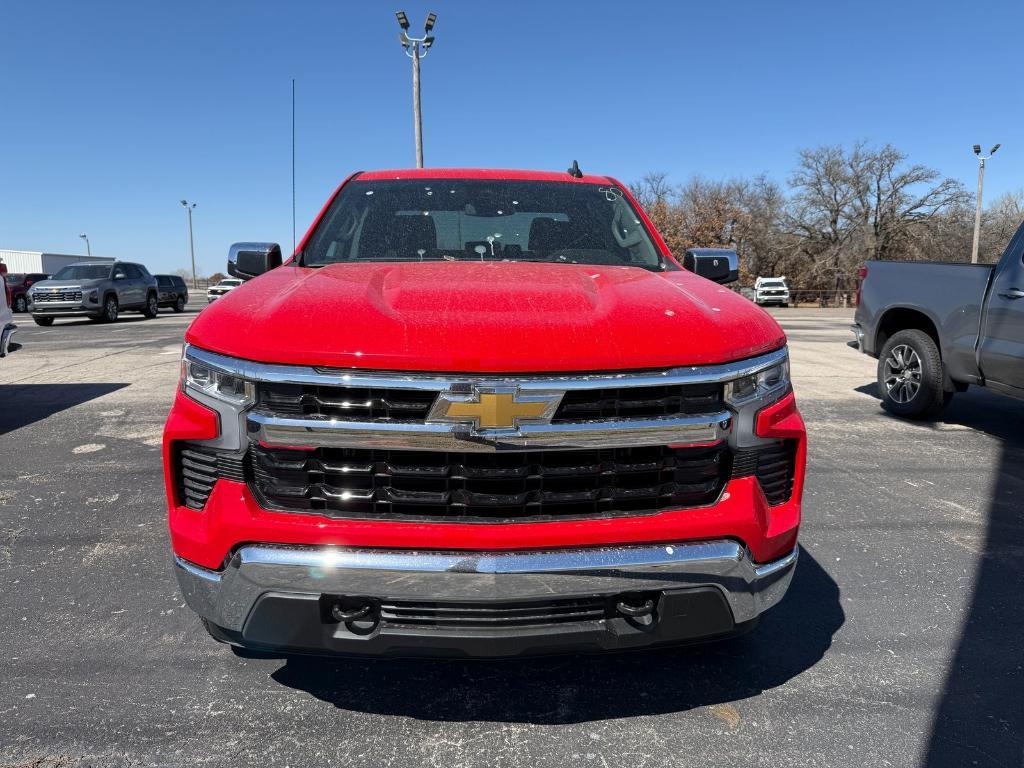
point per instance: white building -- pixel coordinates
(37, 261)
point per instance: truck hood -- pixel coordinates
(484, 317)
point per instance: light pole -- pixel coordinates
(416, 48)
(191, 246)
(88, 250)
(977, 212)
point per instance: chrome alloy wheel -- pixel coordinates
(902, 374)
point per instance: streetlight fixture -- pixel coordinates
(977, 211)
(416, 48)
(191, 245)
(88, 250)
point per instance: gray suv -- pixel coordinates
(96, 291)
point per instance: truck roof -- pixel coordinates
(479, 173)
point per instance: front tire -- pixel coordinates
(179, 305)
(110, 309)
(910, 378)
(151, 308)
(20, 304)
(46, 322)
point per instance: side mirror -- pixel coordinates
(120, 275)
(717, 264)
(247, 260)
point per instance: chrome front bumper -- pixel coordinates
(229, 598)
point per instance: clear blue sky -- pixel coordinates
(110, 113)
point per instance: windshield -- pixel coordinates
(482, 220)
(773, 283)
(230, 283)
(15, 277)
(83, 272)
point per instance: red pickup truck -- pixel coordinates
(482, 413)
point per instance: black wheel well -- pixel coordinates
(904, 319)
(108, 293)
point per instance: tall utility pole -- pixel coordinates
(977, 211)
(191, 245)
(416, 48)
(88, 250)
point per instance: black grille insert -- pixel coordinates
(535, 485)
(773, 465)
(408, 613)
(373, 404)
(639, 402)
(353, 403)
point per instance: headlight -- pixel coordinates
(229, 394)
(767, 384)
(197, 378)
(94, 297)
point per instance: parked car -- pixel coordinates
(171, 292)
(217, 290)
(938, 328)
(7, 326)
(482, 413)
(18, 284)
(96, 291)
(771, 290)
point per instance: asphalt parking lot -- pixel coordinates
(899, 644)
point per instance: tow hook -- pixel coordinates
(347, 614)
(360, 615)
(638, 608)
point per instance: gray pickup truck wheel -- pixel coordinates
(910, 379)
(152, 307)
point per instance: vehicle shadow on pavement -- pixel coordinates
(979, 719)
(24, 404)
(790, 639)
(980, 716)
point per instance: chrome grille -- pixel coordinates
(42, 297)
(514, 486)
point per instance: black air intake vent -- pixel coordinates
(774, 467)
(199, 468)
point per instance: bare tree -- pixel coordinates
(844, 206)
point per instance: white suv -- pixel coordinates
(771, 290)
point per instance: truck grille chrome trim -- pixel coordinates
(297, 374)
(681, 431)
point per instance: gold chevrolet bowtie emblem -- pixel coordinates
(494, 410)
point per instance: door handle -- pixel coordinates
(1012, 293)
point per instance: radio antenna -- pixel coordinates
(293, 165)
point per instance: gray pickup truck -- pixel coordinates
(936, 328)
(96, 291)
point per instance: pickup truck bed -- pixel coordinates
(969, 314)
